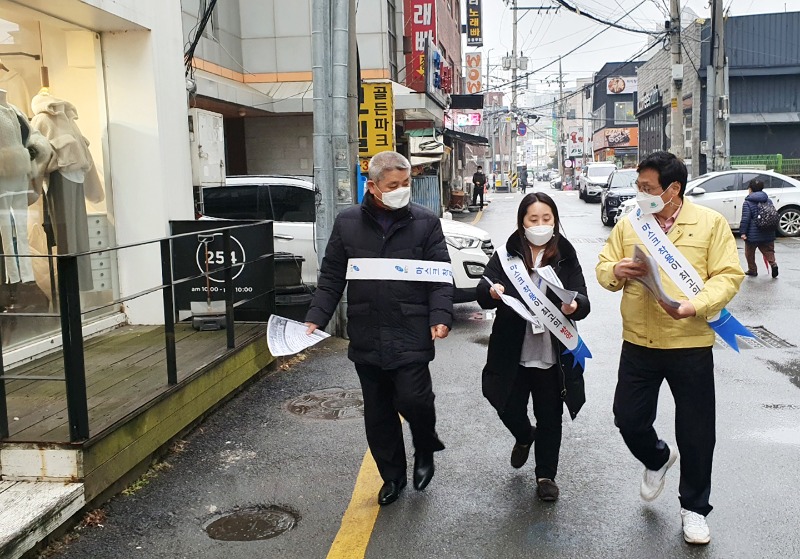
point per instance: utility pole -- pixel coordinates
(560, 123)
(677, 135)
(334, 156)
(721, 147)
(514, 64)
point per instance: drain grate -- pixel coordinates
(764, 339)
(252, 524)
(330, 403)
(780, 406)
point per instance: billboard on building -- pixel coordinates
(575, 143)
(616, 137)
(474, 75)
(421, 27)
(619, 85)
(468, 119)
(474, 24)
(376, 120)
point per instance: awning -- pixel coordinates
(416, 106)
(466, 138)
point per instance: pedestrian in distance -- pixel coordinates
(478, 186)
(525, 360)
(663, 342)
(392, 325)
(757, 228)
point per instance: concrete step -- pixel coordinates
(31, 510)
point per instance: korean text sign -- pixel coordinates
(421, 27)
(376, 120)
(474, 24)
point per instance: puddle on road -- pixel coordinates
(252, 524)
(791, 370)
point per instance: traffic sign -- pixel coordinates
(522, 129)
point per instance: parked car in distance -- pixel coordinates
(592, 180)
(725, 191)
(290, 203)
(621, 187)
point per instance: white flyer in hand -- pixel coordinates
(553, 283)
(287, 337)
(517, 306)
(652, 281)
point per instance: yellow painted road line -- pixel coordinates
(359, 518)
(477, 217)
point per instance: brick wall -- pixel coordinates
(280, 145)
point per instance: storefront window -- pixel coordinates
(53, 195)
(623, 113)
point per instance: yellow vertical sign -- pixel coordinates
(376, 120)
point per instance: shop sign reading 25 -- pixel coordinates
(216, 256)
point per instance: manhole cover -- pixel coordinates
(331, 403)
(251, 524)
(764, 339)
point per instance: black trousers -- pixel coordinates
(477, 191)
(690, 375)
(544, 387)
(407, 391)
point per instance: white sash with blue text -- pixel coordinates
(398, 269)
(542, 308)
(682, 273)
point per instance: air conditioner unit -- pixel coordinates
(207, 146)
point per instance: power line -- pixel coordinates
(579, 12)
(583, 44)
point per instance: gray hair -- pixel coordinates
(387, 161)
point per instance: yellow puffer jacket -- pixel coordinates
(705, 239)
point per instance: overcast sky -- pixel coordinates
(543, 38)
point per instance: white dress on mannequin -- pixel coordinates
(15, 169)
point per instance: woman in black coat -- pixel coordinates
(527, 361)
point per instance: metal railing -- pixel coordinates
(69, 304)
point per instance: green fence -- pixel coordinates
(775, 162)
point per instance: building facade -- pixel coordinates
(764, 78)
(614, 98)
(653, 109)
(114, 69)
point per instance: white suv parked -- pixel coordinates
(593, 179)
(290, 202)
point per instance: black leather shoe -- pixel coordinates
(390, 492)
(519, 455)
(423, 470)
(520, 452)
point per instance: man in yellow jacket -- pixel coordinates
(662, 342)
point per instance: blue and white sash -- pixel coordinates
(542, 308)
(683, 274)
(398, 269)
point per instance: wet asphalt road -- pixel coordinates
(253, 452)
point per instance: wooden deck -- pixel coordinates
(125, 369)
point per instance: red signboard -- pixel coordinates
(421, 27)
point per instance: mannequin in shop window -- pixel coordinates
(72, 178)
(16, 193)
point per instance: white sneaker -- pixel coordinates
(695, 529)
(653, 480)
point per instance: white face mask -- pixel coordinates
(649, 203)
(539, 235)
(397, 198)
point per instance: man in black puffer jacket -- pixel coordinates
(392, 325)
